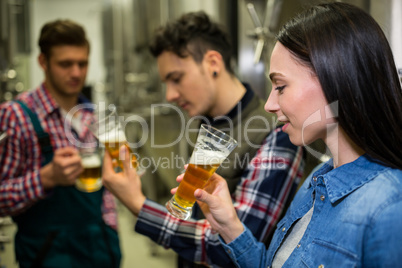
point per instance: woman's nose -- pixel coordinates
(272, 105)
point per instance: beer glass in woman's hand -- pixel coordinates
(211, 149)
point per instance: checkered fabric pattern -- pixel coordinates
(20, 155)
(270, 178)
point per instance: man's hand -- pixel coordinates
(125, 185)
(63, 170)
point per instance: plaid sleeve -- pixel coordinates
(20, 184)
(109, 212)
(188, 238)
(267, 184)
(259, 199)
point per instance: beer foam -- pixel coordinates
(206, 157)
(113, 136)
(91, 161)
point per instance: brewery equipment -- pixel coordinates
(14, 47)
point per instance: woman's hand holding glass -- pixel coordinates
(216, 204)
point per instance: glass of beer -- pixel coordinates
(108, 129)
(211, 149)
(90, 179)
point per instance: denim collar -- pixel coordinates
(343, 180)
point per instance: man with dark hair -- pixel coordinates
(58, 226)
(194, 61)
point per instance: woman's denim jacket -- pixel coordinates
(357, 220)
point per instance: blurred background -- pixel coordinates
(123, 72)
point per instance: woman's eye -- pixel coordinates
(280, 88)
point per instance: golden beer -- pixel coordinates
(211, 149)
(90, 179)
(113, 148)
(195, 177)
(109, 129)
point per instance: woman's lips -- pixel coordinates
(283, 119)
(285, 126)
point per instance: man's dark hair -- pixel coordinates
(193, 34)
(61, 32)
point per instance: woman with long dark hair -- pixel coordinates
(334, 78)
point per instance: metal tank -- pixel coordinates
(14, 78)
(14, 47)
(127, 26)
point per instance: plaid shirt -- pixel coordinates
(260, 198)
(20, 155)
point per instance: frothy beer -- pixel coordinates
(201, 167)
(113, 141)
(90, 179)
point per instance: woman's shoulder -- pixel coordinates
(382, 193)
(390, 178)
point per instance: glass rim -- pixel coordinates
(113, 112)
(225, 137)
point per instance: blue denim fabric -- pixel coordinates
(356, 222)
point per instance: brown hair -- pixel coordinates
(61, 32)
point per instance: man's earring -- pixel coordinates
(215, 74)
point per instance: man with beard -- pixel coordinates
(58, 226)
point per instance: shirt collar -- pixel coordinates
(46, 100)
(348, 177)
(49, 103)
(247, 97)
